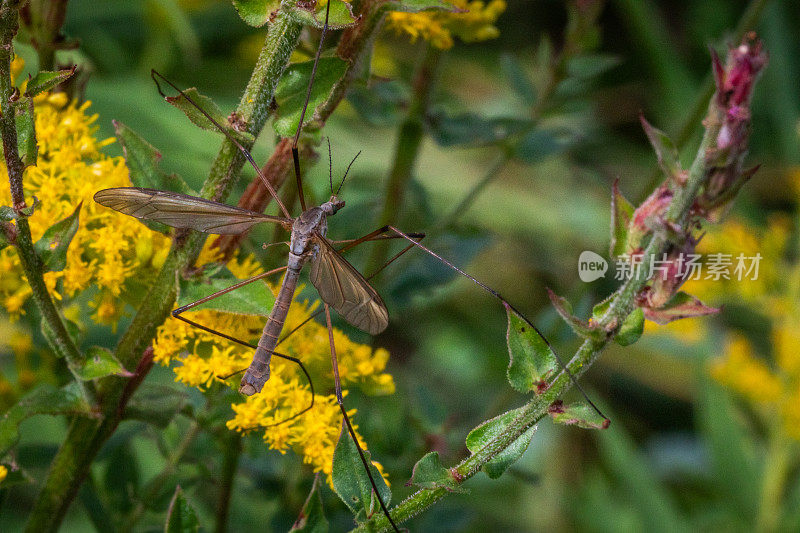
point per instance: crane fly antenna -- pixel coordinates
(295, 156)
(155, 75)
(346, 171)
(330, 163)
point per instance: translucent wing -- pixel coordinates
(181, 210)
(343, 288)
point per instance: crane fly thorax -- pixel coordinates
(312, 221)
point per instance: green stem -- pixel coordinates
(85, 437)
(232, 443)
(58, 337)
(623, 302)
(776, 469)
(406, 150)
(153, 488)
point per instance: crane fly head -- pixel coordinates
(333, 205)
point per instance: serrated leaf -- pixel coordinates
(44, 400)
(255, 299)
(489, 431)
(350, 480)
(665, 150)
(621, 213)
(682, 305)
(26, 133)
(531, 359)
(312, 517)
(181, 517)
(45, 81)
(340, 16)
(256, 12)
(143, 159)
(52, 247)
(156, 404)
(291, 92)
(429, 473)
(469, 129)
(579, 414)
(191, 100)
(417, 6)
(631, 329)
(99, 363)
(580, 327)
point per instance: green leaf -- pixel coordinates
(579, 414)
(580, 327)
(492, 429)
(313, 14)
(99, 363)
(429, 473)
(531, 359)
(256, 12)
(600, 309)
(7, 213)
(156, 404)
(350, 480)
(254, 299)
(122, 478)
(469, 129)
(191, 100)
(539, 144)
(631, 328)
(312, 517)
(621, 214)
(382, 104)
(417, 6)
(44, 400)
(52, 247)
(26, 132)
(518, 78)
(665, 150)
(291, 92)
(45, 81)
(181, 517)
(586, 66)
(142, 160)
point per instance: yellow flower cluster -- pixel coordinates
(109, 248)
(3, 473)
(204, 359)
(474, 21)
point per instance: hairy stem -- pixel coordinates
(85, 437)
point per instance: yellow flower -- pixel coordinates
(201, 359)
(69, 170)
(3, 473)
(474, 21)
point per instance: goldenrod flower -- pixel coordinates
(473, 22)
(203, 359)
(3, 473)
(107, 249)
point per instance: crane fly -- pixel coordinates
(339, 284)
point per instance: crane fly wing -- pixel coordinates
(182, 211)
(342, 287)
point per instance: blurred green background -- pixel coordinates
(683, 451)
